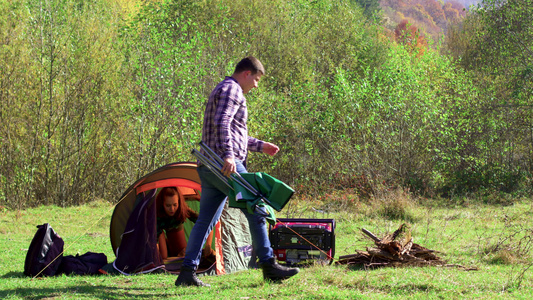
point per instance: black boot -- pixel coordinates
(188, 277)
(275, 272)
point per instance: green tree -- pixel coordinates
(60, 101)
(506, 50)
(494, 45)
(14, 174)
(164, 112)
(371, 8)
(506, 44)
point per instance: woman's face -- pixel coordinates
(171, 205)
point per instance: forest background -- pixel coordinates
(367, 97)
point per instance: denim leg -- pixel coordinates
(258, 230)
(212, 203)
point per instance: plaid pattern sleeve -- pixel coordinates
(255, 145)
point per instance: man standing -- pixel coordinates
(225, 132)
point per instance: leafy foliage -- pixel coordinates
(58, 94)
(96, 94)
(409, 35)
(494, 45)
(371, 8)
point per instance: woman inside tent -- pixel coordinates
(172, 212)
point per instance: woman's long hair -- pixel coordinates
(184, 211)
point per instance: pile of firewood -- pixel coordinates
(396, 249)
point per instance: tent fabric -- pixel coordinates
(235, 241)
(186, 186)
(128, 200)
(133, 226)
(139, 235)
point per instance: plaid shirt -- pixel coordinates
(225, 117)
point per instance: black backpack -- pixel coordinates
(87, 264)
(45, 253)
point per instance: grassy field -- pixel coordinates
(494, 239)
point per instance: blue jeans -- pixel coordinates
(212, 203)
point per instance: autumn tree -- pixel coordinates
(409, 35)
(460, 8)
(434, 8)
(452, 14)
(395, 4)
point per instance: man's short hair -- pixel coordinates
(250, 63)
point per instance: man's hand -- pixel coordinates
(270, 148)
(229, 167)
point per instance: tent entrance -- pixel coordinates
(133, 229)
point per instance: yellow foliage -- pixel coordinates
(399, 16)
(127, 8)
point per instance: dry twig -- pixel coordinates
(396, 249)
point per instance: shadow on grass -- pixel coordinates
(80, 291)
(409, 288)
(83, 291)
(13, 275)
(105, 291)
(242, 285)
(358, 267)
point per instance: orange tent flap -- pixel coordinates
(178, 182)
(220, 270)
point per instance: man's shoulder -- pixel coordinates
(228, 83)
(228, 87)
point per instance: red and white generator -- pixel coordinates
(303, 240)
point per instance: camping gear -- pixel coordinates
(45, 257)
(89, 263)
(45, 253)
(248, 190)
(298, 240)
(133, 226)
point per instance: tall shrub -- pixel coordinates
(63, 108)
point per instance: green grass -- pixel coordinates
(494, 239)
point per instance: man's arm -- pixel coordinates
(256, 145)
(270, 149)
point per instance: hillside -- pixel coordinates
(431, 17)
